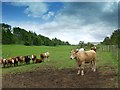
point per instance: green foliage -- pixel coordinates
(114, 39)
(27, 43)
(21, 36)
(81, 44)
(89, 45)
(106, 41)
(7, 36)
(85, 45)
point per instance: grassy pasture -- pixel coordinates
(59, 57)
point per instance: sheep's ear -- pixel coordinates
(76, 51)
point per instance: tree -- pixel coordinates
(106, 41)
(89, 45)
(114, 38)
(7, 36)
(81, 44)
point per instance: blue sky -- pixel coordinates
(12, 13)
(68, 21)
(16, 11)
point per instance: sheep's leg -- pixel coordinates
(11, 64)
(7, 65)
(82, 72)
(78, 70)
(17, 63)
(33, 61)
(94, 66)
(91, 65)
(79, 66)
(82, 68)
(4, 65)
(14, 64)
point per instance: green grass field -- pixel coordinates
(59, 57)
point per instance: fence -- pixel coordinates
(111, 48)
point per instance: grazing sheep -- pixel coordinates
(47, 54)
(27, 59)
(39, 60)
(20, 59)
(4, 62)
(34, 58)
(15, 61)
(10, 61)
(42, 56)
(84, 57)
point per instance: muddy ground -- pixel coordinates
(64, 78)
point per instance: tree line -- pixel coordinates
(82, 44)
(114, 39)
(17, 35)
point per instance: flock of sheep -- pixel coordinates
(20, 60)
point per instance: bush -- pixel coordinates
(27, 43)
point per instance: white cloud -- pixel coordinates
(33, 9)
(36, 10)
(108, 7)
(47, 16)
(68, 30)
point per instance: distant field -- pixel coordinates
(59, 57)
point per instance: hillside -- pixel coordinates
(17, 35)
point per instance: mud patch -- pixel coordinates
(64, 78)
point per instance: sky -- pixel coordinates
(67, 21)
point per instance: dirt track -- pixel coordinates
(65, 78)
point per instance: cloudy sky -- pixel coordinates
(68, 21)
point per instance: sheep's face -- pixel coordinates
(72, 54)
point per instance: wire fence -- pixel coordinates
(112, 49)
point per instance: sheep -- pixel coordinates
(47, 54)
(39, 60)
(42, 56)
(14, 61)
(82, 58)
(20, 59)
(34, 58)
(80, 50)
(4, 62)
(27, 59)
